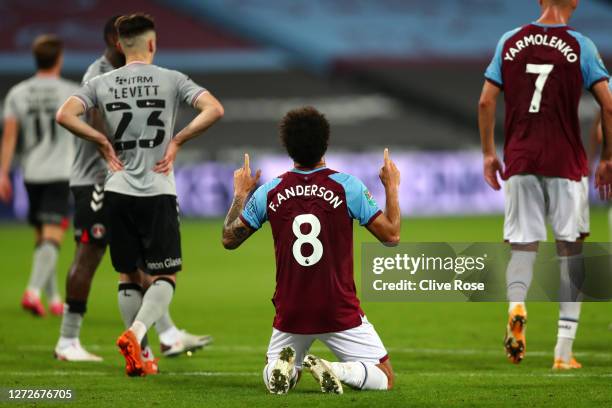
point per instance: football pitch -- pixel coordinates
(443, 354)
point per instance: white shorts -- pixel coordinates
(360, 343)
(532, 200)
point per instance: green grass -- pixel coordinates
(443, 354)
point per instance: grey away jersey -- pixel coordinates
(139, 104)
(89, 167)
(48, 148)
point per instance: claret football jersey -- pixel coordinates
(542, 70)
(311, 214)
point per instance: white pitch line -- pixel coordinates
(65, 373)
(503, 374)
(316, 349)
(59, 373)
(471, 374)
(212, 374)
(106, 347)
(469, 352)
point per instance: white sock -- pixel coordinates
(33, 292)
(43, 265)
(65, 342)
(569, 313)
(71, 324)
(155, 302)
(164, 323)
(512, 305)
(170, 336)
(519, 275)
(139, 329)
(51, 289)
(362, 376)
(147, 353)
(572, 277)
(267, 372)
(563, 349)
(56, 299)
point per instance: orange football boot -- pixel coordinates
(31, 302)
(559, 364)
(129, 347)
(56, 308)
(150, 367)
(515, 342)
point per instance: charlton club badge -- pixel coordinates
(98, 231)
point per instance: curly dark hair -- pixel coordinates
(110, 31)
(305, 134)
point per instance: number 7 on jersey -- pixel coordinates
(543, 71)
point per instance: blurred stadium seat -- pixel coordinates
(404, 74)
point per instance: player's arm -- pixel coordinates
(69, 116)
(386, 227)
(603, 176)
(486, 123)
(97, 121)
(235, 231)
(9, 141)
(211, 111)
(595, 136)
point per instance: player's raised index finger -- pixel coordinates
(246, 161)
(386, 154)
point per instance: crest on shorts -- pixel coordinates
(98, 231)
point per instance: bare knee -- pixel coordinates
(37, 235)
(136, 277)
(87, 259)
(147, 280)
(171, 278)
(567, 248)
(50, 232)
(525, 247)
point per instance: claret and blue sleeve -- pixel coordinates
(361, 205)
(591, 64)
(494, 70)
(255, 213)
